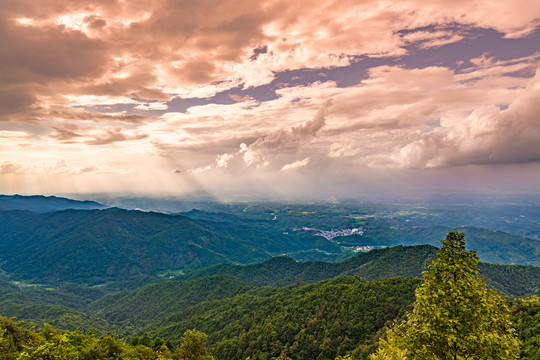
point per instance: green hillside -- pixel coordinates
(40, 203)
(18, 342)
(60, 307)
(150, 307)
(404, 261)
(492, 246)
(301, 330)
(310, 321)
(132, 310)
(238, 279)
(113, 245)
(320, 320)
(314, 321)
(129, 311)
(101, 246)
(500, 233)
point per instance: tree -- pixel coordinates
(194, 347)
(526, 314)
(455, 317)
(13, 338)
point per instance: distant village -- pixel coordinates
(329, 235)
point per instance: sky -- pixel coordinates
(238, 98)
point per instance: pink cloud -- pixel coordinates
(295, 165)
(487, 136)
(72, 72)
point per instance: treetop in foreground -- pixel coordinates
(455, 317)
(19, 343)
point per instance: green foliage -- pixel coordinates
(313, 321)
(135, 309)
(103, 246)
(391, 348)
(526, 316)
(342, 317)
(59, 307)
(492, 246)
(236, 316)
(17, 342)
(100, 246)
(194, 347)
(405, 261)
(455, 316)
(514, 280)
(403, 224)
(12, 338)
(58, 316)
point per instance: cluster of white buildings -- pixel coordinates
(364, 248)
(329, 235)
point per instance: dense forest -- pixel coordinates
(404, 261)
(130, 248)
(18, 342)
(133, 285)
(323, 320)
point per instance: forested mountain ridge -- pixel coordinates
(311, 321)
(312, 333)
(61, 307)
(252, 303)
(304, 321)
(172, 306)
(392, 225)
(404, 261)
(131, 310)
(99, 246)
(40, 203)
(112, 245)
(127, 311)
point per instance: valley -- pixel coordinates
(245, 278)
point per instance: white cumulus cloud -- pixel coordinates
(296, 165)
(488, 135)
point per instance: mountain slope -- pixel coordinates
(98, 246)
(491, 246)
(149, 306)
(310, 321)
(40, 203)
(131, 310)
(60, 307)
(314, 321)
(405, 261)
(401, 225)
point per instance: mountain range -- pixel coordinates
(135, 272)
(131, 248)
(40, 203)
(98, 246)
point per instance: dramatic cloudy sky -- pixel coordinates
(255, 98)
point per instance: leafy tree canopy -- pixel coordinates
(455, 317)
(194, 346)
